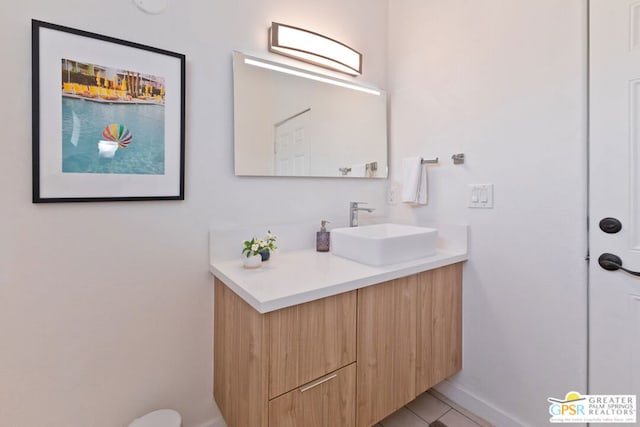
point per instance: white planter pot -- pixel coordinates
(252, 262)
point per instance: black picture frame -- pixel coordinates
(83, 82)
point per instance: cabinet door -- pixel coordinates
(327, 402)
(439, 350)
(386, 348)
(240, 360)
(310, 340)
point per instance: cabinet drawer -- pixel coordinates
(328, 401)
(310, 340)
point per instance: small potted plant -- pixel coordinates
(258, 250)
(251, 251)
(268, 245)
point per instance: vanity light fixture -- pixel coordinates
(314, 48)
(316, 77)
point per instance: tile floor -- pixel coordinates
(431, 409)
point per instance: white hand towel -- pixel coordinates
(359, 170)
(414, 181)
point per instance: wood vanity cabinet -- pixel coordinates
(409, 338)
(342, 361)
(283, 368)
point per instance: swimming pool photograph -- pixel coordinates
(108, 118)
(113, 120)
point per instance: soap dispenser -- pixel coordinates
(322, 237)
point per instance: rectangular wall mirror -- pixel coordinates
(292, 122)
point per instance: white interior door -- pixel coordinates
(614, 102)
(291, 148)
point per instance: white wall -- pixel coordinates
(503, 82)
(101, 323)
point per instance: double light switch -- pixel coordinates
(481, 196)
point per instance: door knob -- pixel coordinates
(613, 262)
(610, 225)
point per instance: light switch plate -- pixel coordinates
(481, 195)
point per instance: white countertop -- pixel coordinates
(296, 277)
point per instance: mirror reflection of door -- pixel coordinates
(348, 125)
(291, 145)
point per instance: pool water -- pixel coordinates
(144, 155)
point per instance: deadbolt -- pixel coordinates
(610, 225)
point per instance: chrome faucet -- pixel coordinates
(353, 212)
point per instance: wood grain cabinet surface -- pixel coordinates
(409, 338)
(259, 357)
(439, 327)
(310, 340)
(386, 348)
(342, 361)
(327, 401)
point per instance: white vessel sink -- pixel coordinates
(383, 244)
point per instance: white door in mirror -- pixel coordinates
(153, 7)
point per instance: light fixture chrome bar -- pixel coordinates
(314, 48)
(316, 77)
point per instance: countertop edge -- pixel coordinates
(441, 259)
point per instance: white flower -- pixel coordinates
(255, 246)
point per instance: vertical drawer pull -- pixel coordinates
(322, 381)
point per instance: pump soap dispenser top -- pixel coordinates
(323, 237)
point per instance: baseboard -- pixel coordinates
(476, 405)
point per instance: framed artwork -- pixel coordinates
(108, 118)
